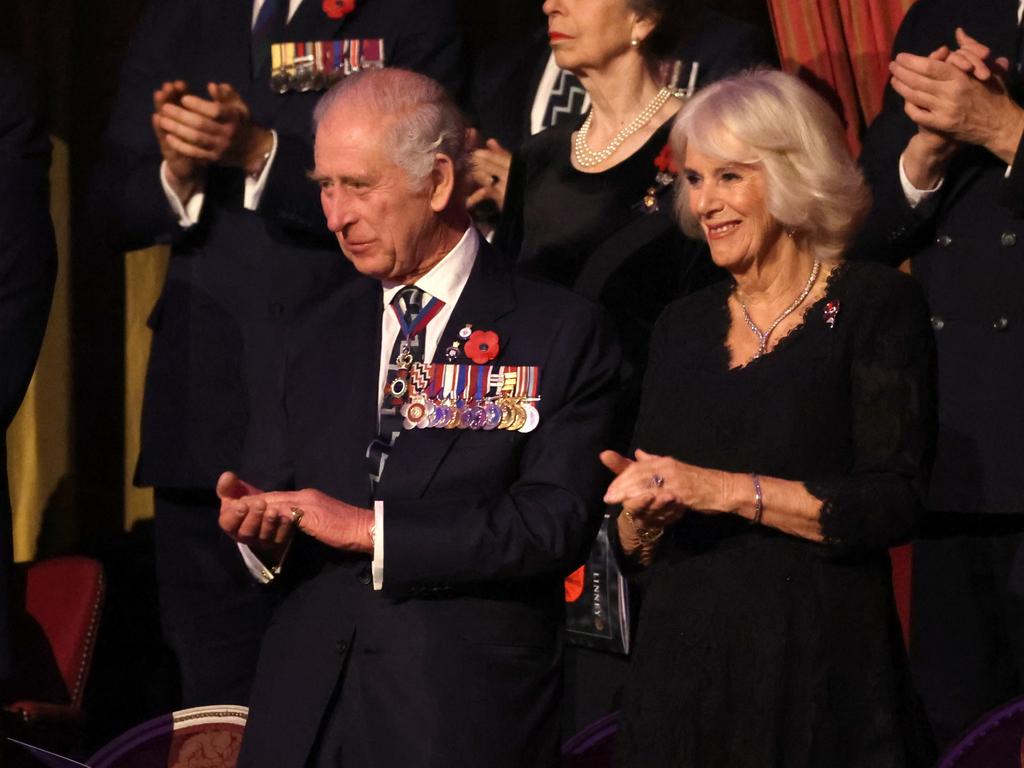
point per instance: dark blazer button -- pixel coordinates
(938, 323)
(1000, 324)
(364, 576)
(1008, 239)
(341, 647)
(944, 240)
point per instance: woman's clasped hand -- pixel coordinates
(657, 490)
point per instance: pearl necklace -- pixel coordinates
(762, 336)
(587, 158)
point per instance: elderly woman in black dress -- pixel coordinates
(783, 443)
(589, 200)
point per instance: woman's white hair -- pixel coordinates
(417, 118)
(814, 188)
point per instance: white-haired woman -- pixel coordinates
(589, 200)
(785, 430)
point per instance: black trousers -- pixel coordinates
(967, 619)
(212, 612)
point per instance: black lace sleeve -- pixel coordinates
(892, 369)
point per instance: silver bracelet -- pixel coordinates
(758, 500)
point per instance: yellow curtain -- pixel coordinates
(144, 277)
(39, 443)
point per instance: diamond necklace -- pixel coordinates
(587, 158)
(762, 336)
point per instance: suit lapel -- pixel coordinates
(228, 27)
(416, 455)
(351, 364)
(366, 322)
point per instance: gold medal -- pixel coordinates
(519, 416)
(507, 413)
(456, 420)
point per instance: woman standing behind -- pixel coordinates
(787, 425)
(588, 203)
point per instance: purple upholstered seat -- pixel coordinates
(208, 736)
(993, 742)
(594, 746)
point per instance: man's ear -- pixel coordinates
(442, 182)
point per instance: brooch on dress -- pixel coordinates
(830, 313)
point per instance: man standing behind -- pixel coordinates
(28, 268)
(444, 504)
(946, 163)
(203, 154)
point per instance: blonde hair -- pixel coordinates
(814, 188)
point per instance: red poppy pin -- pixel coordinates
(481, 346)
(665, 163)
(338, 9)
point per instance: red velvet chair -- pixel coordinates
(54, 636)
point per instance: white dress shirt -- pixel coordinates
(444, 281)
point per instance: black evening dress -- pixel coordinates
(611, 236)
(757, 648)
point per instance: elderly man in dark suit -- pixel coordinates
(946, 162)
(202, 153)
(28, 268)
(427, 628)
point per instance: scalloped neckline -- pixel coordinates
(784, 340)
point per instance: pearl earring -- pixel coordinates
(633, 42)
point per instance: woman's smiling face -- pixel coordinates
(729, 199)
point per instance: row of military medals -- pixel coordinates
(315, 65)
(465, 396)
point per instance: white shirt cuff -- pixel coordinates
(254, 187)
(914, 195)
(378, 545)
(259, 571)
(187, 213)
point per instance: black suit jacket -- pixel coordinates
(28, 268)
(237, 276)
(967, 249)
(457, 658)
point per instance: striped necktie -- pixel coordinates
(414, 309)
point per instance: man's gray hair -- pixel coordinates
(418, 119)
